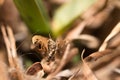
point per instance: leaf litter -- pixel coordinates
(103, 64)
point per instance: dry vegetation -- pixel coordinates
(95, 39)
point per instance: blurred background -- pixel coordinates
(86, 22)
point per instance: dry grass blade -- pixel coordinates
(106, 71)
(115, 31)
(92, 60)
(117, 70)
(88, 40)
(15, 67)
(105, 63)
(89, 75)
(63, 74)
(75, 74)
(7, 46)
(12, 41)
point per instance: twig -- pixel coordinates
(75, 74)
(63, 61)
(72, 53)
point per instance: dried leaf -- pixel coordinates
(88, 40)
(63, 74)
(34, 68)
(104, 63)
(88, 73)
(114, 42)
(115, 31)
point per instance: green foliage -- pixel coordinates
(67, 13)
(33, 13)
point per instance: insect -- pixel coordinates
(51, 52)
(46, 47)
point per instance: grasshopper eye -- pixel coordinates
(39, 46)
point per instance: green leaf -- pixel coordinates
(67, 13)
(34, 15)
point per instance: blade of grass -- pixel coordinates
(67, 13)
(34, 15)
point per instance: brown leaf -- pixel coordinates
(34, 68)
